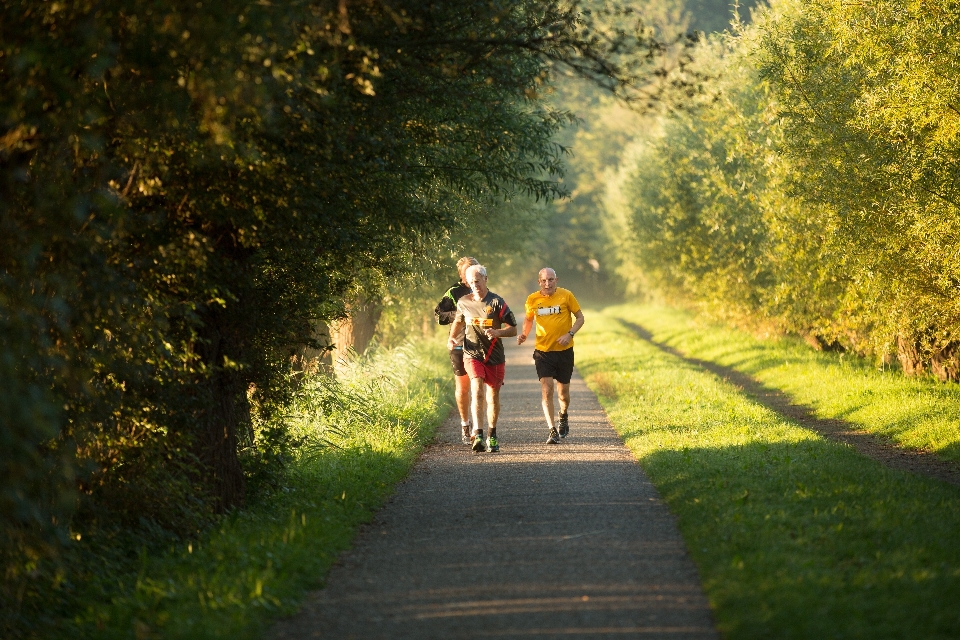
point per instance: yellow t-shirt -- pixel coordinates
(554, 316)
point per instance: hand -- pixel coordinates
(491, 333)
(564, 340)
(451, 343)
(521, 339)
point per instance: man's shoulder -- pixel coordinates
(457, 290)
(535, 299)
(494, 297)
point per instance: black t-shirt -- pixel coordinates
(491, 312)
(446, 311)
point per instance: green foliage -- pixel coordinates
(809, 188)
(794, 536)
(590, 250)
(702, 197)
(872, 130)
(188, 190)
(577, 244)
(358, 435)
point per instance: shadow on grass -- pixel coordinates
(807, 540)
(868, 444)
(258, 563)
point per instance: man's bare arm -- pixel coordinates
(458, 325)
(508, 331)
(565, 339)
(578, 323)
(527, 328)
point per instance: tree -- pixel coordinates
(189, 189)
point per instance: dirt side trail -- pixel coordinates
(550, 541)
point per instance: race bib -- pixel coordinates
(548, 311)
(480, 322)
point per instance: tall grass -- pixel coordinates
(356, 437)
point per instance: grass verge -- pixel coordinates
(917, 413)
(258, 563)
(795, 536)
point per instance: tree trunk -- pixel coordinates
(227, 414)
(357, 329)
(942, 357)
(945, 364)
(223, 414)
(310, 359)
(908, 353)
(427, 324)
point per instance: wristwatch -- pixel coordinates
(571, 333)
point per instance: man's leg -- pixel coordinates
(493, 413)
(546, 392)
(563, 394)
(546, 388)
(477, 405)
(462, 394)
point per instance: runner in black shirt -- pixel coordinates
(446, 313)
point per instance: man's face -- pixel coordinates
(477, 282)
(548, 282)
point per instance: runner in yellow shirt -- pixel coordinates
(558, 318)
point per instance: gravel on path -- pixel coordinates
(550, 541)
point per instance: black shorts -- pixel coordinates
(456, 359)
(554, 364)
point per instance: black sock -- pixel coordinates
(493, 432)
(563, 415)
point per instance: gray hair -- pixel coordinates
(479, 268)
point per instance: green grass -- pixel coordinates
(259, 563)
(795, 536)
(915, 413)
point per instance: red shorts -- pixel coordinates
(492, 374)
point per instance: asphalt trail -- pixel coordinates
(549, 541)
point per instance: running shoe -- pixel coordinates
(563, 425)
(493, 445)
(478, 444)
(465, 437)
(554, 437)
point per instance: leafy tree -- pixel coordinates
(189, 188)
(814, 187)
(871, 128)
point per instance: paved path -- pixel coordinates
(549, 541)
